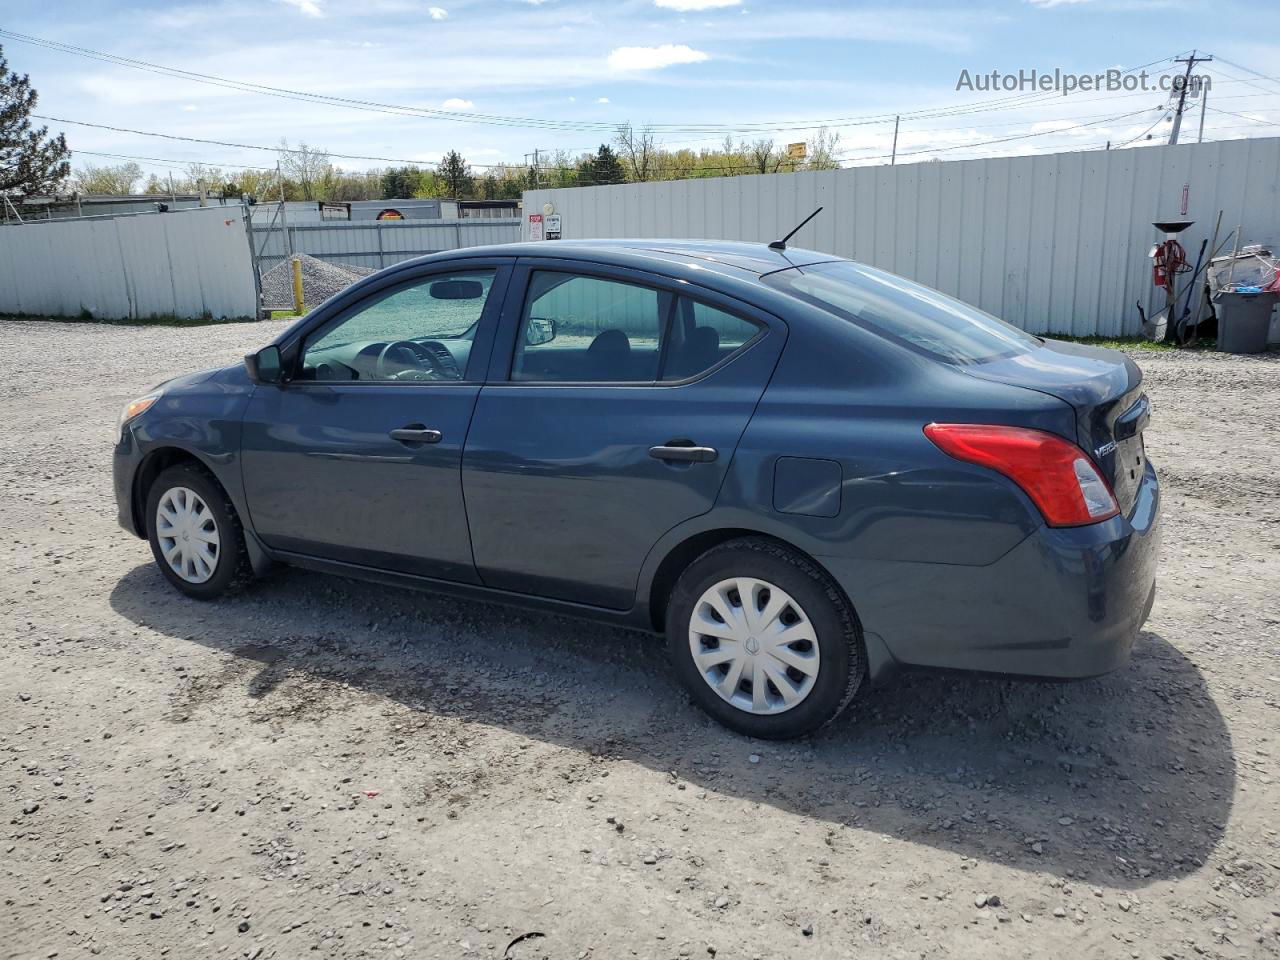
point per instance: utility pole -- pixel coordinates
(893, 157)
(537, 162)
(1204, 98)
(1190, 61)
(284, 221)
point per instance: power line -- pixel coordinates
(1256, 73)
(1160, 119)
(999, 103)
(1243, 116)
(251, 146)
(505, 166)
(1022, 136)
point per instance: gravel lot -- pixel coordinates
(319, 765)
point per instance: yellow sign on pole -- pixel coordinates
(797, 151)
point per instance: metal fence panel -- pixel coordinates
(1055, 243)
(183, 263)
(379, 243)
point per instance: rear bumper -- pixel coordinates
(1064, 603)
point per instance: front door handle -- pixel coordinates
(416, 433)
(684, 453)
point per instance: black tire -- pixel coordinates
(842, 656)
(231, 569)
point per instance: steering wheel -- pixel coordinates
(424, 362)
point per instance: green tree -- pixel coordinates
(400, 182)
(31, 162)
(456, 174)
(606, 167)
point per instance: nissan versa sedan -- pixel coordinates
(806, 472)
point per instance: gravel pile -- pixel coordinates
(320, 281)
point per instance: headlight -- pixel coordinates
(134, 408)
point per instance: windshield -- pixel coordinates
(911, 314)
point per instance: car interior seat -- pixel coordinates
(609, 357)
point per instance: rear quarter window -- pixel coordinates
(909, 313)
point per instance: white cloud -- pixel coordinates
(189, 108)
(684, 6)
(438, 13)
(309, 7)
(457, 103)
(654, 58)
(602, 99)
(1056, 3)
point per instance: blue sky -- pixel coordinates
(768, 67)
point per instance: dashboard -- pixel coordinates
(381, 360)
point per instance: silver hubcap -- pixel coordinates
(754, 645)
(188, 534)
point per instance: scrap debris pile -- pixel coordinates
(1228, 296)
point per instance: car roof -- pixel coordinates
(738, 259)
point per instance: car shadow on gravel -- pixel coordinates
(1123, 780)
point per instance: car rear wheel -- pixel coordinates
(764, 640)
(195, 534)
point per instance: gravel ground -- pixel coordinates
(319, 765)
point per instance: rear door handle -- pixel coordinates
(416, 433)
(684, 453)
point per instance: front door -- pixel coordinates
(357, 458)
(587, 447)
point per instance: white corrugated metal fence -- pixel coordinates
(187, 263)
(379, 243)
(1055, 243)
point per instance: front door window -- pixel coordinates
(419, 332)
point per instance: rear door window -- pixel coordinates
(582, 329)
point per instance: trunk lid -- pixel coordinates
(1104, 387)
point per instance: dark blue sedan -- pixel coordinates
(803, 470)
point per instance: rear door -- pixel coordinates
(586, 448)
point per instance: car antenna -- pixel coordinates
(782, 244)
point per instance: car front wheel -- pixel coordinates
(764, 640)
(195, 534)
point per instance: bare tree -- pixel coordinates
(118, 179)
(765, 158)
(824, 151)
(309, 166)
(639, 152)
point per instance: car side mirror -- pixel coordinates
(265, 366)
(540, 330)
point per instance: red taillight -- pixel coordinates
(1056, 474)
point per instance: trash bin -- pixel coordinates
(1243, 321)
